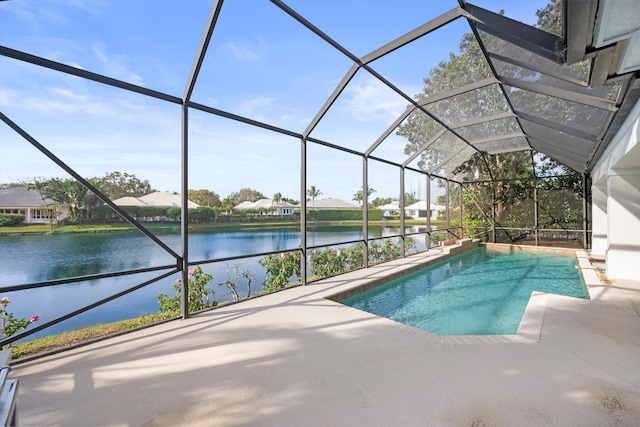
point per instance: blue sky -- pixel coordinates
(261, 64)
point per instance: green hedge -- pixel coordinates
(11, 219)
(342, 214)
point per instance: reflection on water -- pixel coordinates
(36, 258)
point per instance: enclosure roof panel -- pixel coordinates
(425, 85)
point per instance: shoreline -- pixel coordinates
(221, 226)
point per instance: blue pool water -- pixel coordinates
(481, 292)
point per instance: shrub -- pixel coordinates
(279, 269)
(331, 261)
(11, 219)
(387, 251)
(335, 214)
(174, 213)
(202, 215)
(200, 296)
(11, 325)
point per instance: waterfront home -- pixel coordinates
(269, 207)
(163, 199)
(35, 208)
(390, 209)
(330, 203)
(418, 210)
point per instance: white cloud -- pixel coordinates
(254, 107)
(115, 65)
(245, 51)
(371, 100)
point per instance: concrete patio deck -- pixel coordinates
(295, 358)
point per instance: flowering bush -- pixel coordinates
(279, 268)
(200, 296)
(383, 252)
(326, 263)
(11, 325)
(331, 261)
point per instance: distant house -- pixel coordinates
(163, 199)
(20, 200)
(330, 203)
(390, 209)
(270, 208)
(418, 210)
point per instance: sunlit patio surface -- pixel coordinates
(295, 358)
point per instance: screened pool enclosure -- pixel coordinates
(498, 123)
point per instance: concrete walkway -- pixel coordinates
(295, 358)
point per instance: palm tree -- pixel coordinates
(277, 198)
(313, 192)
(358, 196)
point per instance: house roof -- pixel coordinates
(330, 203)
(129, 201)
(392, 205)
(159, 198)
(21, 197)
(262, 203)
(421, 205)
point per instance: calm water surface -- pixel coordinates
(480, 292)
(35, 258)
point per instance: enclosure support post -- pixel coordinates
(535, 210)
(365, 210)
(184, 213)
(585, 212)
(447, 211)
(186, 97)
(303, 210)
(402, 231)
(493, 211)
(428, 212)
(461, 231)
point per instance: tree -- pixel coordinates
(378, 201)
(246, 195)
(512, 174)
(234, 274)
(313, 192)
(410, 198)
(204, 198)
(228, 203)
(290, 201)
(358, 196)
(277, 198)
(41, 187)
(118, 184)
(68, 192)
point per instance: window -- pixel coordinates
(42, 214)
(13, 211)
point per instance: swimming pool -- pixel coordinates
(484, 291)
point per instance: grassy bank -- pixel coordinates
(218, 226)
(70, 339)
(165, 226)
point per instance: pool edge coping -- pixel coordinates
(530, 328)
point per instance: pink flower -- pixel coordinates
(34, 318)
(283, 256)
(179, 281)
(190, 274)
(313, 252)
(5, 300)
(309, 258)
(390, 256)
(379, 250)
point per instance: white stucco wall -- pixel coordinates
(616, 202)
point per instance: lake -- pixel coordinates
(35, 258)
